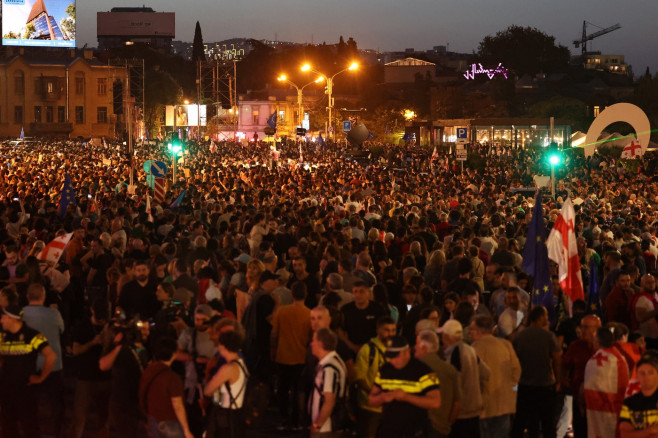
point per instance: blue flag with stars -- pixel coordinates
(535, 261)
(322, 142)
(68, 197)
(271, 122)
(178, 201)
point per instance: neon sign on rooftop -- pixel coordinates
(477, 69)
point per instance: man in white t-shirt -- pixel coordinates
(510, 320)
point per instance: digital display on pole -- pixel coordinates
(38, 23)
(185, 115)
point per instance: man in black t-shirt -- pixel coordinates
(639, 412)
(92, 386)
(138, 296)
(405, 388)
(361, 317)
(19, 347)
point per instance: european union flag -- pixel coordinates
(22, 137)
(178, 201)
(409, 136)
(322, 142)
(535, 261)
(68, 197)
(593, 299)
(271, 122)
(371, 136)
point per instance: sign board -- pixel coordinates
(147, 166)
(461, 141)
(330, 129)
(185, 115)
(460, 152)
(301, 132)
(31, 23)
(347, 126)
(158, 169)
(462, 133)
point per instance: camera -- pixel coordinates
(130, 328)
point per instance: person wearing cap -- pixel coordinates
(195, 348)
(20, 346)
(639, 412)
(405, 388)
(369, 360)
(474, 375)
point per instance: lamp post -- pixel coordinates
(330, 85)
(300, 109)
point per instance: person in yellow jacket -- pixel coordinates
(369, 360)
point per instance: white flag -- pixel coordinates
(435, 154)
(53, 251)
(563, 250)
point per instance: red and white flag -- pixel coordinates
(435, 154)
(148, 208)
(562, 249)
(606, 377)
(53, 251)
(632, 151)
(213, 147)
(301, 154)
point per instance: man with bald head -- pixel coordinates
(573, 370)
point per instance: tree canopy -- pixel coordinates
(524, 50)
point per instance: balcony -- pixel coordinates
(50, 129)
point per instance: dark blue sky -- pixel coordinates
(398, 24)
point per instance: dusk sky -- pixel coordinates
(389, 25)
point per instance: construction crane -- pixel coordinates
(583, 41)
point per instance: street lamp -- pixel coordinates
(330, 85)
(300, 110)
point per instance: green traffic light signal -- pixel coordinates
(175, 148)
(554, 159)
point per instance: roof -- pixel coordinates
(37, 8)
(408, 62)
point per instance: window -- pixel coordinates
(18, 114)
(282, 116)
(19, 83)
(37, 114)
(50, 87)
(254, 116)
(79, 86)
(49, 114)
(61, 114)
(101, 114)
(102, 86)
(597, 110)
(79, 114)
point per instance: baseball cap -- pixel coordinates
(242, 258)
(182, 294)
(452, 327)
(395, 345)
(14, 311)
(649, 357)
(203, 309)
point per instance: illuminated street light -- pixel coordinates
(300, 109)
(409, 114)
(330, 85)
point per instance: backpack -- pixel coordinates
(256, 398)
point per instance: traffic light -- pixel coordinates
(554, 156)
(175, 147)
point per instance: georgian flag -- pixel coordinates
(148, 208)
(562, 249)
(53, 251)
(632, 151)
(435, 154)
(606, 377)
(301, 154)
(213, 147)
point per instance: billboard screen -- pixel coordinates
(185, 115)
(44, 23)
(135, 24)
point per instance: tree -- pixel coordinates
(67, 25)
(566, 108)
(524, 50)
(198, 54)
(30, 30)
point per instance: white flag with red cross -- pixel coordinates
(632, 151)
(53, 251)
(435, 154)
(563, 250)
(606, 377)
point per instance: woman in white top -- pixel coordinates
(228, 387)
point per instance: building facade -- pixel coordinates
(67, 95)
(141, 25)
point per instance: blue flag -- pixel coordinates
(593, 287)
(68, 197)
(322, 142)
(535, 261)
(178, 201)
(22, 133)
(409, 136)
(271, 122)
(371, 136)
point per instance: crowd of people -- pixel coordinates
(371, 298)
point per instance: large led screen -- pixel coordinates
(185, 115)
(45, 23)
